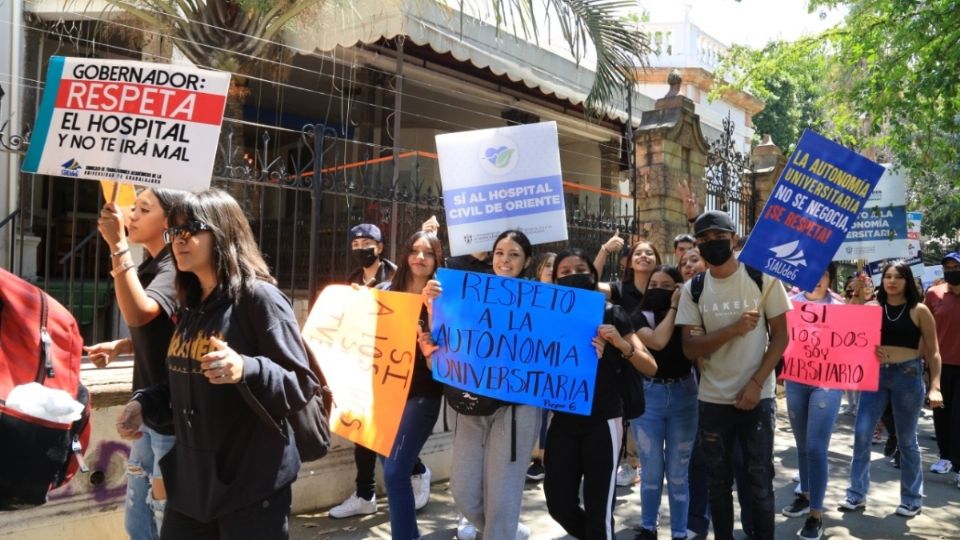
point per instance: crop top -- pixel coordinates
(897, 328)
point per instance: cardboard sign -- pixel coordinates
(499, 179)
(517, 340)
(833, 346)
(365, 340)
(123, 195)
(156, 125)
(880, 230)
(815, 202)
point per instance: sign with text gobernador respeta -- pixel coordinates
(499, 179)
(518, 340)
(155, 125)
(813, 206)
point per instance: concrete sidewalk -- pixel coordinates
(940, 518)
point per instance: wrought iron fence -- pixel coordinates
(729, 180)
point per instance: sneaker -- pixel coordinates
(536, 472)
(694, 535)
(627, 475)
(466, 530)
(941, 467)
(645, 534)
(354, 506)
(957, 480)
(891, 446)
(896, 459)
(908, 510)
(523, 532)
(812, 529)
(796, 478)
(421, 488)
(850, 505)
(799, 507)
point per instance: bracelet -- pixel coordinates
(120, 252)
(633, 350)
(122, 268)
(673, 308)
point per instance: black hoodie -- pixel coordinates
(226, 457)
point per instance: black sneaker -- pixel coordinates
(799, 507)
(645, 534)
(536, 472)
(812, 529)
(850, 505)
(908, 510)
(891, 446)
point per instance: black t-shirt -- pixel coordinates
(606, 390)
(150, 341)
(671, 363)
(626, 295)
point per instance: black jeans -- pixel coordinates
(366, 461)
(946, 420)
(721, 426)
(263, 520)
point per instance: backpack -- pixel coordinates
(39, 342)
(696, 287)
(311, 423)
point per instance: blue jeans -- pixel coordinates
(901, 385)
(416, 425)
(143, 514)
(813, 412)
(665, 435)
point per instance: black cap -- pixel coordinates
(714, 220)
(366, 230)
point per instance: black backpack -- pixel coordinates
(696, 286)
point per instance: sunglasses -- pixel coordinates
(185, 230)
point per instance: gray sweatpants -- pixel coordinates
(487, 487)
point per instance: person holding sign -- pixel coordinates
(147, 300)
(422, 255)
(585, 449)
(236, 345)
(737, 383)
(905, 321)
(813, 413)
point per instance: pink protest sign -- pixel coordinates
(833, 346)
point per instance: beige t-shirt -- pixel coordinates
(722, 301)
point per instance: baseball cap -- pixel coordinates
(952, 256)
(714, 220)
(366, 230)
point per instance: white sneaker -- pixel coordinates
(523, 532)
(627, 475)
(957, 480)
(421, 488)
(466, 530)
(796, 478)
(354, 506)
(941, 467)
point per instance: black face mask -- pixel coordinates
(657, 300)
(716, 252)
(364, 256)
(952, 277)
(578, 281)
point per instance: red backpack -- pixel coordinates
(39, 342)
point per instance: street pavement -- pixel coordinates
(940, 518)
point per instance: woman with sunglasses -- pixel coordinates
(147, 300)
(236, 346)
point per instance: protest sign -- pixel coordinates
(517, 340)
(365, 340)
(880, 230)
(914, 248)
(123, 195)
(819, 194)
(833, 346)
(155, 125)
(931, 274)
(499, 179)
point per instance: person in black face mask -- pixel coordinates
(366, 246)
(584, 449)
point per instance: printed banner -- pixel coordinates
(365, 340)
(499, 179)
(156, 125)
(517, 340)
(931, 274)
(880, 231)
(833, 346)
(819, 194)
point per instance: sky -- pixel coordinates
(747, 22)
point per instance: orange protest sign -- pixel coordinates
(125, 197)
(365, 341)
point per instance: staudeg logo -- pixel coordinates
(498, 155)
(71, 168)
(791, 253)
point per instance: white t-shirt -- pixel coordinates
(722, 301)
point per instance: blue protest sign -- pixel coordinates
(814, 204)
(517, 340)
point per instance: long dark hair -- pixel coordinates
(542, 261)
(910, 291)
(677, 278)
(521, 239)
(576, 252)
(168, 199)
(628, 273)
(402, 276)
(237, 261)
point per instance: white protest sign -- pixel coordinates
(931, 274)
(499, 179)
(155, 125)
(880, 232)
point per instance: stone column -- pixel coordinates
(768, 162)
